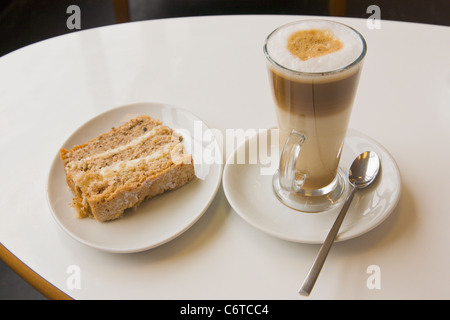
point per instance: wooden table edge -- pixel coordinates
(34, 279)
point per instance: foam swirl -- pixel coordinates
(278, 47)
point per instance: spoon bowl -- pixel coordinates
(362, 173)
(364, 169)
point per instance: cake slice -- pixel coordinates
(121, 168)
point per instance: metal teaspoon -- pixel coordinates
(362, 173)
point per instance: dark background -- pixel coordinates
(23, 22)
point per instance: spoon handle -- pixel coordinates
(313, 274)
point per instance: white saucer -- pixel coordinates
(250, 194)
(158, 220)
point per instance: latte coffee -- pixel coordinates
(314, 68)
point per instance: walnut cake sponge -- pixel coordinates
(121, 168)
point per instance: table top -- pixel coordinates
(215, 68)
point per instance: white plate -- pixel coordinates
(155, 221)
(251, 196)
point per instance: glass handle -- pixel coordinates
(290, 178)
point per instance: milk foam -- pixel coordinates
(278, 51)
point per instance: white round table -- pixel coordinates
(215, 68)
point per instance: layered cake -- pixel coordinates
(121, 168)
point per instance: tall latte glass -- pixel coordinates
(314, 68)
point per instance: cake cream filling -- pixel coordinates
(127, 165)
(173, 149)
(108, 153)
